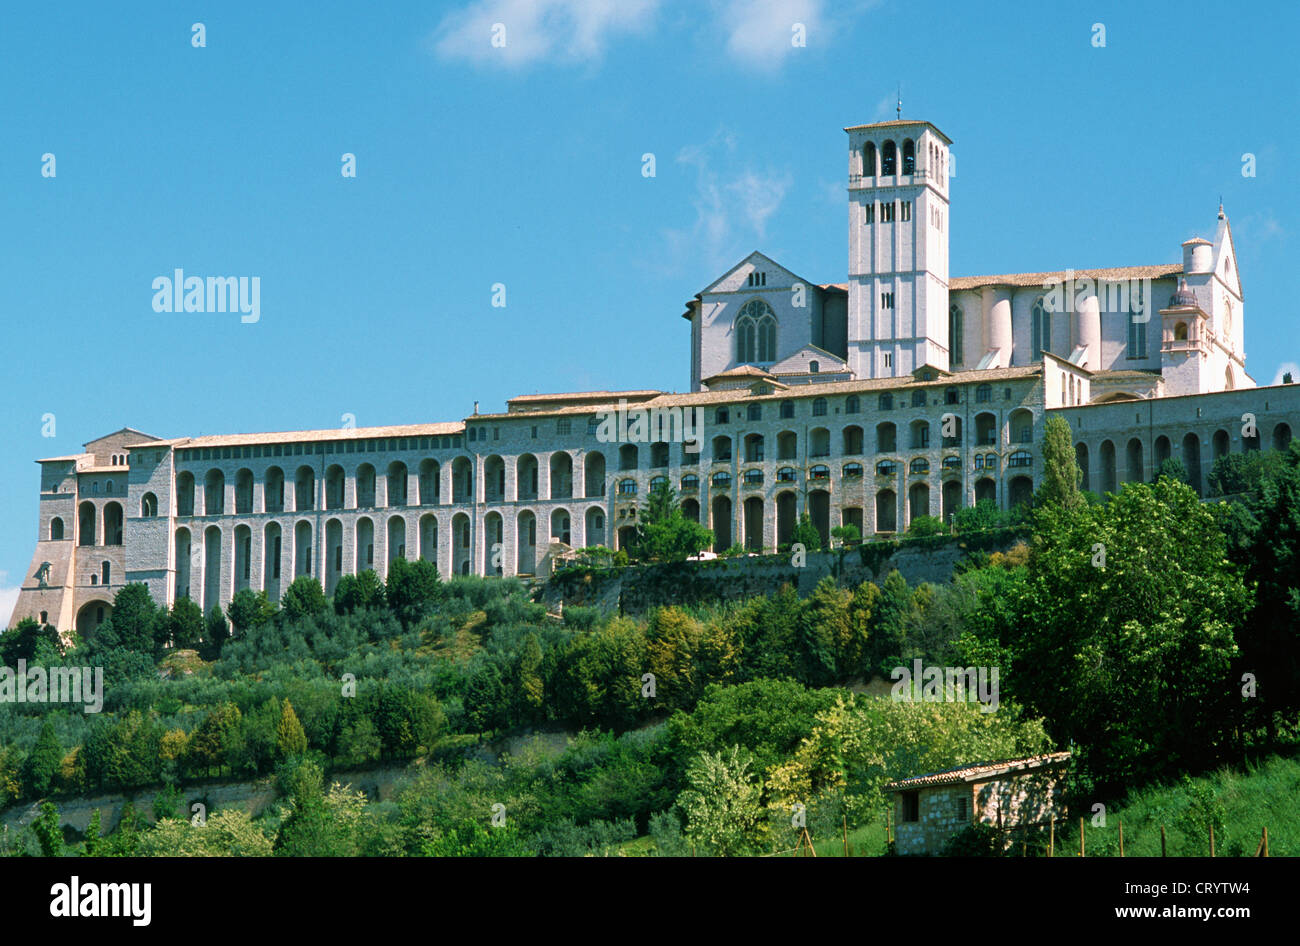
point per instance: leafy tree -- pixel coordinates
(22, 641)
(184, 624)
(215, 737)
(532, 686)
(1061, 473)
(889, 624)
(302, 599)
(249, 609)
(49, 831)
(848, 534)
(215, 633)
(663, 533)
(806, 534)
(94, 845)
(926, 525)
(722, 803)
(1129, 655)
(1172, 468)
(43, 763)
(981, 517)
(357, 592)
(290, 740)
(134, 622)
(412, 588)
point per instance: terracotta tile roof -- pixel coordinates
(1042, 279)
(67, 459)
(978, 773)
(328, 434)
(898, 123)
(581, 395)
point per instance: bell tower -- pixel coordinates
(898, 248)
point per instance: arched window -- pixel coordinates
(814, 367)
(920, 465)
(1042, 328)
(955, 330)
(819, 407)
(983, 393)
(1020, 458)
(753, 477)
(787, 410)
(952, 464)
(889, 160)
(886, 468)
(721, 479)
(852, 405)
(819, 472)
(690, 482)
(886, 402)
(909, 157)
(754, 412)
(786, 475)
(1180, 332)
(627, 487)
(869, 159)
(1137, 335)
(658, 482)
(56, 529)
(148, 506)
(755, 333)
(853, 470)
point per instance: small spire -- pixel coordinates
(900, 101)
(1220, 208)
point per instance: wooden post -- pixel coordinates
(1162, 840)
(1211, 840)
(1121, 837)
(1051, 838)
(889, 827)
(1081, 837)
(846, 835)
(1266, 840)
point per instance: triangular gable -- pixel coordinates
(136, 435)
(733, 280)
(1225, 257)
(797, 363)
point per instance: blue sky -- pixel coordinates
(522, 165)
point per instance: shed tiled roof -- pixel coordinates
(978, 773)
(1042, 279)
(328, 434)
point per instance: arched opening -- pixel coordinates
(886, 437)
(1109, 480)
(86, 516)
(1081, 458)
(852, 516)
(852, 440)
(909, 156)
(920, 430)
(787, 445)
(951, 499)
(594, 527)
(211, 568)
(561, 475)
(333, 554)
(628, 456)
(918, 501)
(302, 549)
(214, 493)
(335, 480)
(397, 483)
(753, 516)
(56, 529)
(181, 577)
(819, 442)
(1220, 444)
(1163, 450)
(460, 542)
(1281, 436)
(889, 159)
(594, 474)
(1192, 461)
(272, 545)
(869, 159)
(721, 523)
(243, 557)
(956, 329)
(430, 482)
(185, 493)
(560, 527)
(494, 479)
(886, 511)
(986, 429)
(950, 431)
(366, 477)
(113, 523)
(494, 544)
(243, 492)
(786, 509)
(396, 539)
(526, 478)
(462, 482)
(1180, 332)
(721, 449)
(274, 487)
(1022, 426)
(986, 488)
(91, 616)
(365, 550)
(819, 511)
(754, 448)
(526, 543)
(1133, 462)
(1020, 491)
(691, 509)
(429, 537)
(304, 489)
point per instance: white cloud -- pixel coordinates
(566, 31)
(733, 202)
(760, 33)
(1284, 368)
(8, 598)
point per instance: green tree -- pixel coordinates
(358, 592)
(412, 589)
(303, 598)
(94, 845)
(184, 625)
(290, 740)
(722, 803)
(806, 534)
(889, 622)
(135, 619)
(663, 533)
(249, 609)
(1061, 473)
(215, 632)
(22, 641)
(43, 763)
(1172, 468)
(215, 737)
(49, 830)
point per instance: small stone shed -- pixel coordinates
(930, 809)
